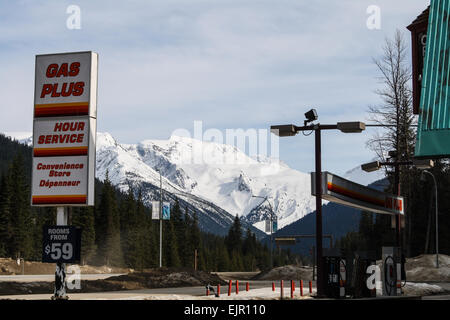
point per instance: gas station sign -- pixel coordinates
(68, 136)
(64, 129)
(346, 192)
(66, 85)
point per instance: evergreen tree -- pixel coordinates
(108, 227)
(130, 232)
(187, 247)
(6, 228)
(170, 245)
(223, 263)
(20, 211)
(195, 232)
(180, 231)
(234, 238)
(83, 217)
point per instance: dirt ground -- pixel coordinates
(11, 267)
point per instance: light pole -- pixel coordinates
(292, 130)
(160, 217)
(436, 205)
(271, 226)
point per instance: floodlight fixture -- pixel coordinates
(423, 164)
(351, 127)
(286, 130)
(371, 166)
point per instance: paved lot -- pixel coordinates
(51, 277)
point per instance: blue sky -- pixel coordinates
(231, 64)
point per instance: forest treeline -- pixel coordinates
(118, 230)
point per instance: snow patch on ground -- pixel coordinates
(421, 289)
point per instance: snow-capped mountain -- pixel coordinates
(218, 173)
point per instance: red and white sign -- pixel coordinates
(68, 136)
(64, 129)
(59, 180)
(66, 85)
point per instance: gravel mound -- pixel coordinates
(168, 278)
(289, 272)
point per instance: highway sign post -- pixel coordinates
(64, 134)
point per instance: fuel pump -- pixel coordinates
(335, 273)
(361, 262)
(392, 271)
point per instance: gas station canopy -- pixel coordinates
(346, 192)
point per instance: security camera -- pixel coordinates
(311, 116)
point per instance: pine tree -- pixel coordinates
(223, 263)
(108, 228)
(20, 211)
(83, 217)
(195, 232)
(234, 237)
(6, 230)
(130, 232)
(171, 246)
(180, 231)
(187, 248)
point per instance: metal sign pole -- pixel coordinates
(160, 220)
(60, 273)
(318, 160)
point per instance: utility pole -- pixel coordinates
(397, 192)
(160, 219)
(195, 259)
(271, 234)
(436, 213)
(318, 160)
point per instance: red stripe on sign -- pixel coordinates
(64, 199)
(61, 109)
(49, 152)
(355, 195)
(64, 111)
